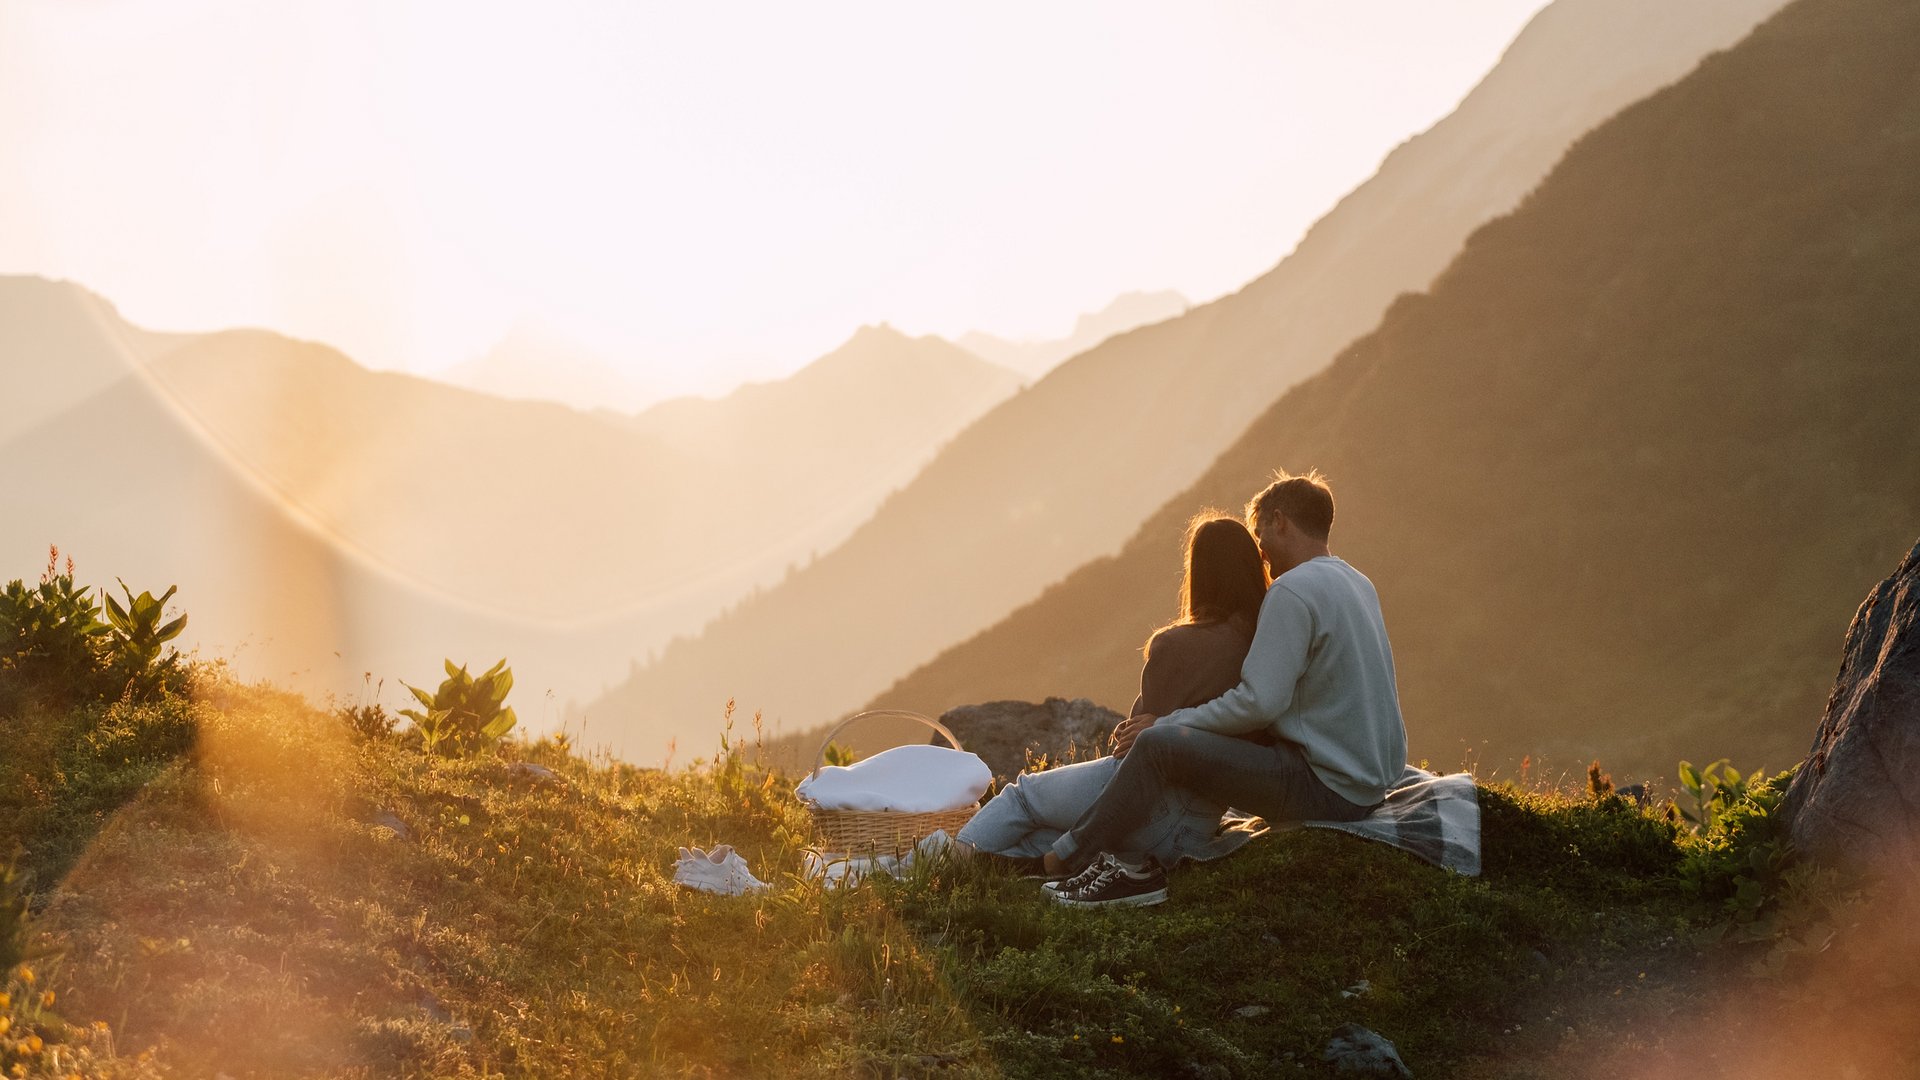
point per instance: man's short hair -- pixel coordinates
(1306, 501)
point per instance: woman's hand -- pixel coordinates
(1128, 730)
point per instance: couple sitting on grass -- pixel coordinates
(1277, 700)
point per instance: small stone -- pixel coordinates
(1358, 1051)
(538, 775)
(1249, 1012)
(1540, 959)
(388, 820)
(1357, 989)
(460, 1033)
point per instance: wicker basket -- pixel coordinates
(882, 832)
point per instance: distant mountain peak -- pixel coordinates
(1033, 358)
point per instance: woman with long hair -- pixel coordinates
(1190, 661)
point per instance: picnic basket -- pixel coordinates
(882, 832)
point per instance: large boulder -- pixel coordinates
(1856, 800)
(1003, 733)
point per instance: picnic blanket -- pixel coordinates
(1437, 818)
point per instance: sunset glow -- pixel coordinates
(695, 194)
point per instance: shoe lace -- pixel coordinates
(1096, 876)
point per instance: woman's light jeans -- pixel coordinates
(1033, 811)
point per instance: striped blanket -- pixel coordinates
(1435, 817)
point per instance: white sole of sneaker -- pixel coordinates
(1148, 899)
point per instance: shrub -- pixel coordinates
(50, 635)
(465, 714)
(1737, 863)
(367, 721)
(55, 645)
(137, 637)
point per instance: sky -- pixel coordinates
(697, 194)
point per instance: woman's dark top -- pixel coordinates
(1191, 664)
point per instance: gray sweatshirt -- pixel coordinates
(1319, 675)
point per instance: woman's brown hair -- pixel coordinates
(1226, 577)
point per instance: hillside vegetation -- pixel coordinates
(1623, 474)
(222, 879)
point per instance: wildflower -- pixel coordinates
(27, 976)
(6, 1001)
(46, 999)
(1119, 1038)
(33, 1044)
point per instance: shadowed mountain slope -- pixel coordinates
(1066, 470)
(1623, 475)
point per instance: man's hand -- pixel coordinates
(1128, 730)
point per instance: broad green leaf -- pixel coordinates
(499, 725)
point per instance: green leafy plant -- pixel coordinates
(1712, 791)
(51, 634)
(1740, 858)
(466, 714)
(137, 638)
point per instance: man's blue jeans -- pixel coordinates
(1274, 782)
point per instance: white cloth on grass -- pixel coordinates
(917, 779)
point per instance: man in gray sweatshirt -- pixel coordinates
(1312, 733)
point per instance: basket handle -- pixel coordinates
(820, 759)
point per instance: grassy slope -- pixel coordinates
(239, 915)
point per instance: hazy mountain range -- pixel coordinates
(1034, 358)
(1624, 474)
(572, 542)
(1067, 470)
(535, 364)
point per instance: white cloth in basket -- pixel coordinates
(918, 779)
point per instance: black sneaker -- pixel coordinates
(1108, 882)
(1053, 883)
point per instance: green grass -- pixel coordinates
(235, 911)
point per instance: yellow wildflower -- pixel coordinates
(27, 976)
(1119, 1038)
(6, 1001)
(33, 1044)
(46, 1000)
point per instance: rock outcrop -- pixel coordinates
(1003, 733)
(1856, 799)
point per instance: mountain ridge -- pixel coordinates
(1066, 470)
(1619, 475)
